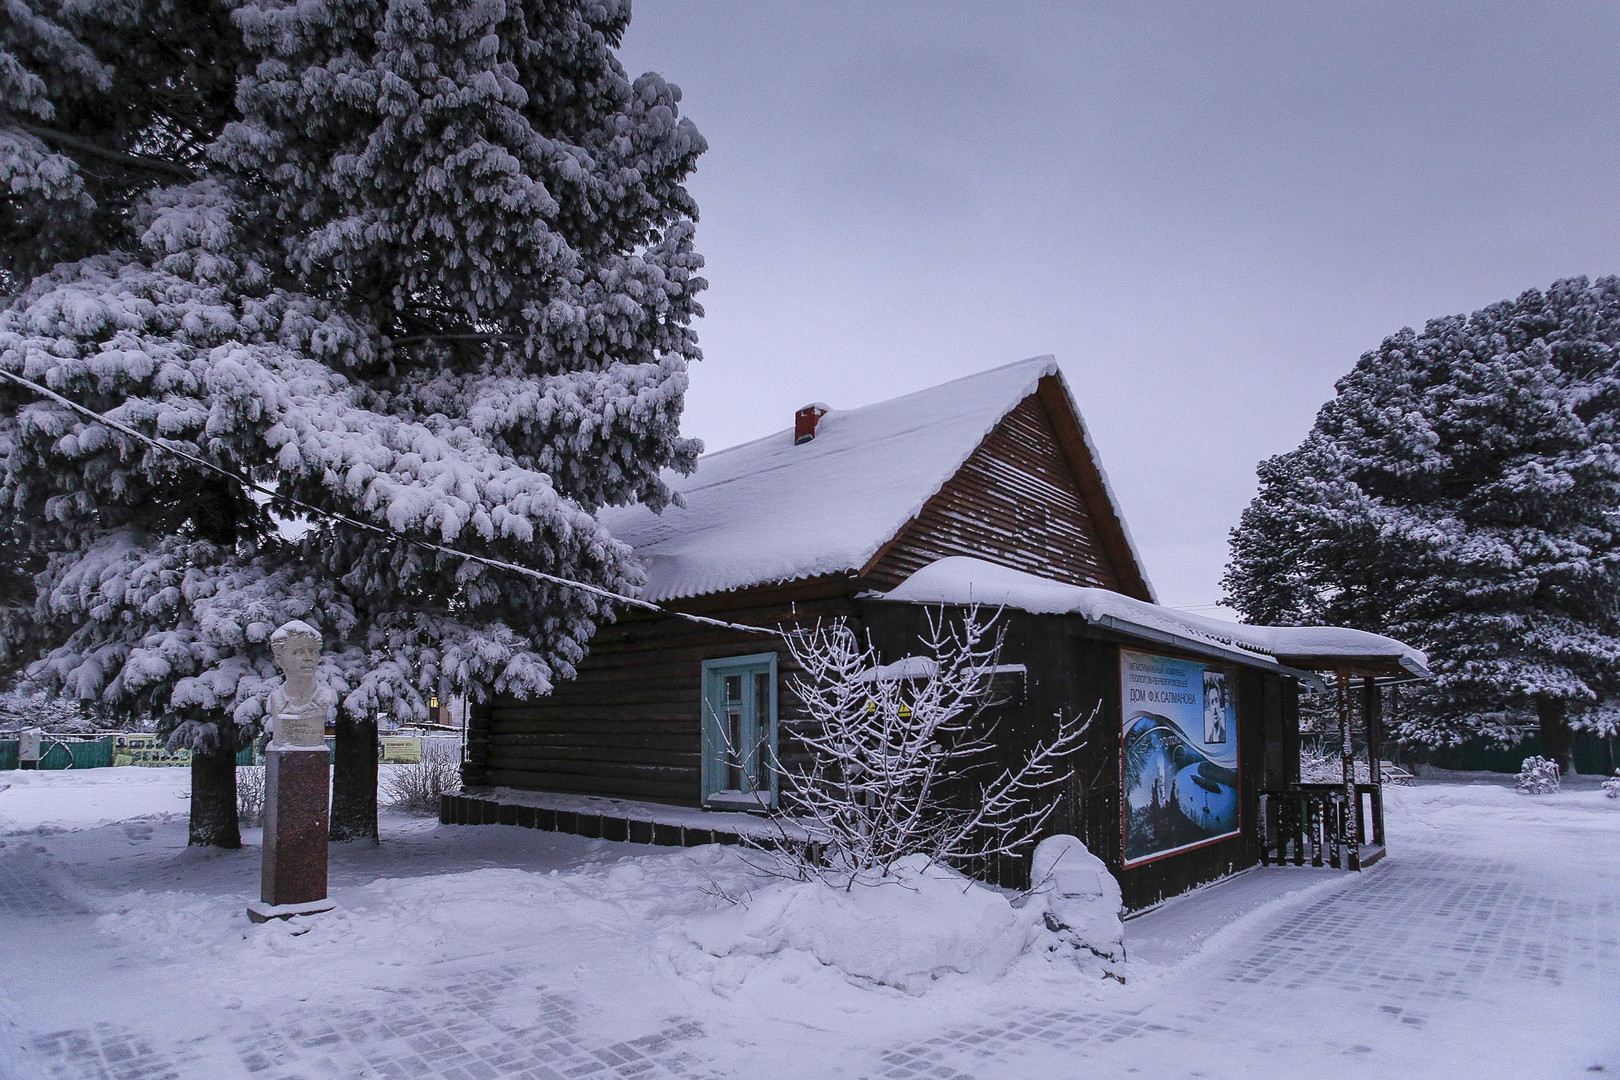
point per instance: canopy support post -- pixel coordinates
(1347, 756)
(1372, 714)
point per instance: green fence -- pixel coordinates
(144, 748)
(61, 753)
(1592, 753)
(64, 752)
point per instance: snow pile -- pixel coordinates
(1080, 903)
(1537, 776)
(1611, 786)
(922, 923)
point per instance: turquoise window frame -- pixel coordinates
(713, 743)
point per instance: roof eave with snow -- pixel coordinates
(1293, 650)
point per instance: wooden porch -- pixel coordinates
(1338, 824)
(598, 817)
(1314, 824)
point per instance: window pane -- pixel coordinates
(761, 750)
(734, 749)
(738, 750)
(762, 697)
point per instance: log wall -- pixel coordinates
(629, 725)
(1015, 501)
(1074, 670)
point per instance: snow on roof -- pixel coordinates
(963, 580)
(768, 510)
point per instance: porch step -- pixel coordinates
(611, 819)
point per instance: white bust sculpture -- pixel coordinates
(297, 709)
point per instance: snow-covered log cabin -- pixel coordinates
(982, 490)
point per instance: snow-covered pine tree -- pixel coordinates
(30, 708)
(102, 103)
(436, 275)
(100, 100)
(1462, 492)
(481, 188)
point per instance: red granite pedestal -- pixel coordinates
(297, 792)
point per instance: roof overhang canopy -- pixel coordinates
(960, 581)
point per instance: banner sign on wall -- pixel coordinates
(399, 749)
(139, 748)
(1180, 754)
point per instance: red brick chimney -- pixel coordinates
(805, 421)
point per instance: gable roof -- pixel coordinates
(769, 511)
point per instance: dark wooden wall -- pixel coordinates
(1015, 501)
(629, 724)
(1074, 669)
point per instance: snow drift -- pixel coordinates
(926, 921)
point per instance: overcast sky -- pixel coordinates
(1207, 213)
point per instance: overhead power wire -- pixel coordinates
(332, 515)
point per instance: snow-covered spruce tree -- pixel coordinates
(25, 708)
(1462, 492)
(437, 277)
(102, 103)
(900, 760)
(100, 100)
(482, 189)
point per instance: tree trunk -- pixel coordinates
(213, 791)
(1557, 741)
(354, 780)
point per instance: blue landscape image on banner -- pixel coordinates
(1180, 754)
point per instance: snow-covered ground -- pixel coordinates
(1486, 945)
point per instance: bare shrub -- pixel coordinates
(1317, 765)
(415, 787)
(250, 795)
(1321, 763)
(887, 746)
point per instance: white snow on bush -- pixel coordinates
(924, 923)
(1537, 776)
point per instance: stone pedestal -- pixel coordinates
(297, 789)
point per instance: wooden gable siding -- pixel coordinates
(1016, 502)
(629, 724)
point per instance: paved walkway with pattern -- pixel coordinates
(1357, 975)
(1421, 966)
